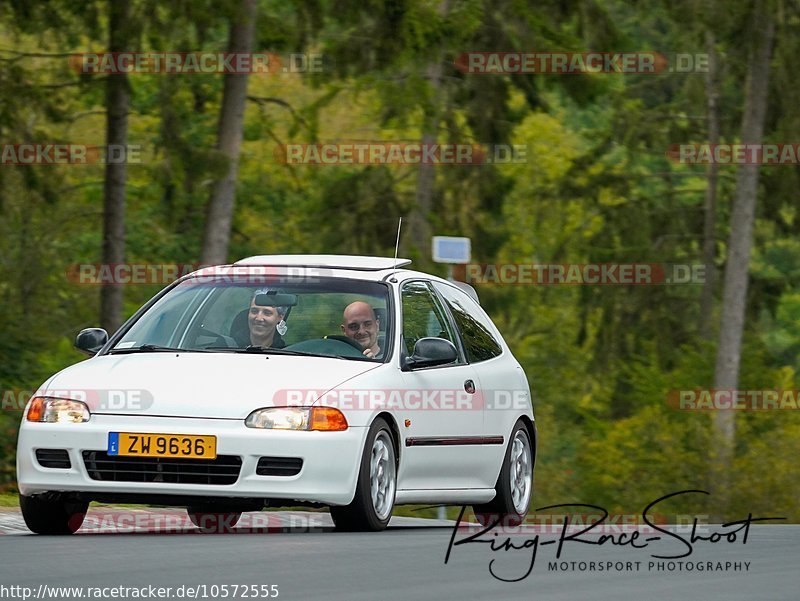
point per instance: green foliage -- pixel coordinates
(596, 187)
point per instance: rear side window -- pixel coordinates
(479, 343)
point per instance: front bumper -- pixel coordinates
(328, 475)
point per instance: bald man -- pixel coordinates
(361, 325)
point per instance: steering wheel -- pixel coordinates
(349, 341)
(330, 345)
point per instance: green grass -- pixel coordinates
(9, 499)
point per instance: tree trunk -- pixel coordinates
(219, 215)
(117, 107)
(426, 175)
(420, 226)
(709, 226)
(734, 293)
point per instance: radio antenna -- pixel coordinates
(397, 242)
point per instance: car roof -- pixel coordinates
(355, 262)
(356, 266)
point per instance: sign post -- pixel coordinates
(452, 250)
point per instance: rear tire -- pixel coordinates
(373, 503)
(52, 515)
(213, 522)
(514, 485)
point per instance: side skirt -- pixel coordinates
(449, 496)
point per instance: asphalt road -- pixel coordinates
(307, 560)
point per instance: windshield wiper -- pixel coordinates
(283, 351)
(268, 350)
(153, 348)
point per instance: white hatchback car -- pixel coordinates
(179, 407)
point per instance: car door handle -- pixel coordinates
(469, 386)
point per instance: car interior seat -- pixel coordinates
(380, 315)
(240, 330)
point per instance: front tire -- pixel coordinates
(52, 515)
(514, 484)
(373, 503)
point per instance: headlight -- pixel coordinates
(279, 418)
(297, 418)
(48, 409)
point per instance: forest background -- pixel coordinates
(596, 186)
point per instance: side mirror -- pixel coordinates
(91, 340)
(429, 352)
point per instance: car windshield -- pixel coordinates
(332, 317)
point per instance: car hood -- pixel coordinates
(212, 385)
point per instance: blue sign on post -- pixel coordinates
(451, 249)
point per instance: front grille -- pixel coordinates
(102, 466)
(55, 458)
(279, 466)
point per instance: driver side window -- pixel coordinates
(423, 316)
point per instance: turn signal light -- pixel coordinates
(36, 410)
(56, 410)
(327, 418)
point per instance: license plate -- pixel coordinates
(184, 446)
